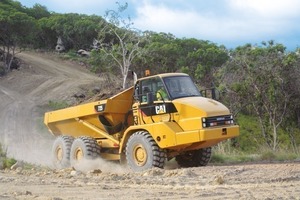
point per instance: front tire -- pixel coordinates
(143, 153)
(84, 148)
(61, 152)
(196, 158)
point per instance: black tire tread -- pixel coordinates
(66, 142)
(159, 155)
(91, 146)
(196, 158)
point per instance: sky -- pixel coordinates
(225, 22)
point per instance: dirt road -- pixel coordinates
(260, 181)
(23, 96)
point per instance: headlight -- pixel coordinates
(217, 121)
(203, 122)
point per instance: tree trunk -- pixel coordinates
(274, 135)
(124, 86)
(298, 117)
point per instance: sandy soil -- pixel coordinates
(259, 181)
(23, 96)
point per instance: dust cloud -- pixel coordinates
(33, 149)
(105, 166)
(24, 96)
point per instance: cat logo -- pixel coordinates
(161, 109)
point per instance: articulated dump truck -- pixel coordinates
(160, 118)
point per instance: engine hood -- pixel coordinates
(195, 106)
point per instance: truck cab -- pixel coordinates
(182, 122)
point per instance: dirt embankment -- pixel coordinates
(23, 96)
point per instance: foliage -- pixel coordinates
(101, 62)
(38, 11)
(56, 105)
(258, 81)
(5, 162)
(2, 153)
(260, 156)
(16, 29)
(8, 162)
(76, 30)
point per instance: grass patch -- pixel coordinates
(73, 56)
(278, 156)
(8, 162)
(4, 161)
(56, 105)
(233, 158)
(267, 156)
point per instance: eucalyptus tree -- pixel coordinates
(258, 80)
(162, 52)
(203, 61)
(120, 41)
(16, 30)
(76, 30)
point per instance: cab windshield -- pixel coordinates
(180, 86)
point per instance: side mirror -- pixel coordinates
(216, 94)
(212, 93)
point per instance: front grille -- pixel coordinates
(217, 121)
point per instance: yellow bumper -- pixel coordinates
(209, 134)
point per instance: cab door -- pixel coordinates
(149, 108)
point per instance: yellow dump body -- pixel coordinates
(85, 119)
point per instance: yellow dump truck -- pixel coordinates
(161, 117)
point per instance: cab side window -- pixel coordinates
(161, 92)
(146, 88)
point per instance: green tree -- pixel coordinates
(204, 60)
(76, 30)
(16, 30)
(38, 11)
(161, 52)
(256, 79)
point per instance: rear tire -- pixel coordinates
(196, 158)
(61, 152)
(143, 153)
(84, 148)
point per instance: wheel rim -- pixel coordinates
(59, 153)
(140, 155)
(78, 154)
